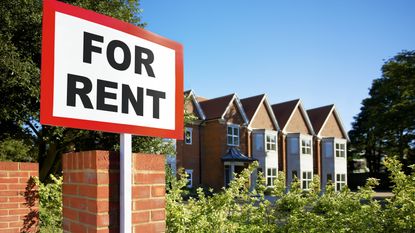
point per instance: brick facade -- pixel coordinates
(91, 192)
(18, 197)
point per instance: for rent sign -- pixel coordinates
(100, 73)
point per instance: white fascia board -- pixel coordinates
(340, 123)
(198, 108)
(307, 120)
(240, 108)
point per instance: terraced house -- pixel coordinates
(230, 133)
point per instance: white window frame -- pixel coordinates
(191, 135)
(340, 181)
(306, 179)
(271, 176)
(233, 136)
(306, 145)
(189, 173)
(271, 145)
(339, 151)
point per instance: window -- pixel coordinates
(294, 174)
(271, 142)
(188, 136)
(293, 145)
(259, 142)
(233, 135)
(340, 150)
(340, 181)
(328, 149)
(329, 178)
(189, 173)
(271, 176)
(306, 146)
(306, 180)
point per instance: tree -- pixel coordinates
(385, 125)
(20, 53)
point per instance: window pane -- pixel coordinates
(235, 131)
(274, 171)
(305, 185)
(236, 141)
(230, 142)
(338, 187)
(229, 130)
(337, 177)
(343, 177)
(342, 146)
(269, 181)
(268, 171)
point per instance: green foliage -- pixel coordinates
(15, 150)
(238, 209)
(385, 125)
(50, 201)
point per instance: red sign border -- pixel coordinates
(50, 7)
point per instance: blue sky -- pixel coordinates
(324, 52)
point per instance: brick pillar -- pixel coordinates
(18, 197)
(91, 192)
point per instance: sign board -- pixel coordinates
(100, 73)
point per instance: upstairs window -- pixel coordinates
(233, 135)
(306, 180)
(271, 142)
(340, 150)
(340, 181)
(271, 176)
(188, 135)
(306, 146)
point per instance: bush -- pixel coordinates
(237, 209)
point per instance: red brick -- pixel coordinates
(21, 187)
(19, 174)
(79, 160)
(76, 177)
(4, 225)
(157, 215)
(140, 217)
(11, 230)
(4, 212)
(147, 204)
(18, 211)
(151, 227)
(70, 214)
(79, 203)
(158, 191)
(146, 162)
(4, 174)
(7, 180)
(8, 205)
(141, 191)
(20, 199)
(96, 206)
(101, 159)
(87, 163)
(29, 166)
(70, 189)
(141, 178)
(87, 190)
(15, 224)
(75, 227)
(9, 166)
(9, 218)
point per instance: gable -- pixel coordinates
(233, 115)
(262, 119)
(297, 123)
(191, 108)
(332, 128)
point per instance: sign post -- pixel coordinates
(125, 182)
(100, 73)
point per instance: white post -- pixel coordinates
(125, 181)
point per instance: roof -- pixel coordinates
(234, 154)
(283, 111)
(214, 108)
(318, 116)
(252, 104)
(192, 95)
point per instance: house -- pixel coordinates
(262, 136)
(188, 151)
(330, 145)
(296, 141)
(224, 144)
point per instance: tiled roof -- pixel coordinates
(318, 116)
(283, 111)
(251, 104)
(214, 108)
(235, 155)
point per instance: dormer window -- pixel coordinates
(306, 146)
(233, 135)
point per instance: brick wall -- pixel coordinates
(91, 192)
(18, 205)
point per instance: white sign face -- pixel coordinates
(104, 78)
